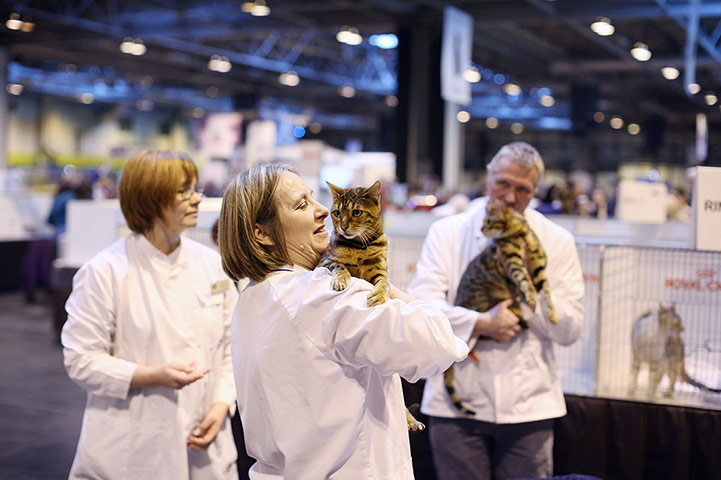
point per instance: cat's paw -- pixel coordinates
(413, 424)
(340, 281)
(416, 426)
(552, 317)
(377, 298)
(379, 294)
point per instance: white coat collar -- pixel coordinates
(172, 263)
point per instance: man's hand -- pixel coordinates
(499, 323)
(170, 375)
(209, 427)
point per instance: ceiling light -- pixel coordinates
(346, 91)
(463, 116)
(599, 117)
(349, 36)
(602, 26)
(670, 73)
(86, 98)
(633, 128)
(386, 41)
(391, 101)
(14, 22)
(198, 112)
(133, 46)
(315, 127)
(491, 122)
(219, 64)
(27, 26)
(641, 52)
(212, 91)
(14, 88)
(260, 9)
(693, 88)
(247, 6)
(298, 131)
(512, 89)
(289, 78)
(547, 100)
(499, 79)
(711, 98)
(616, 122)
(472, 75)
(517, 128)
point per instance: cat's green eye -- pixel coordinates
(336, 213)
(356, 213)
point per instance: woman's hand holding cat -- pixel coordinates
(171, 375)
(499, 323)
(208, 429)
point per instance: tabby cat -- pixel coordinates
(358, 248)
(511, 266)
(656, 341)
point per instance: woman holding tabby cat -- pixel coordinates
(507, 388)
(317, 370)
(148, 337)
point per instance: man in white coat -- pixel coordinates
(512, 386)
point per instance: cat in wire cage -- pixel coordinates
(656, 341)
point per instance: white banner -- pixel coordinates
(642, 202)
(707, 209)
(456, 55)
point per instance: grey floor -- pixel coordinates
(40, 408)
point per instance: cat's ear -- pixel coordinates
(261, 235)
(333, 189)
(375, 189)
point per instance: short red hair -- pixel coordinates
(149, 185)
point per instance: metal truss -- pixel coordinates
(218, 27)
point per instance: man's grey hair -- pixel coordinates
(521, 153)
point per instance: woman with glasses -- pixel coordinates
(148, 337)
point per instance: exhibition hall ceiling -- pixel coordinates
(539, 61)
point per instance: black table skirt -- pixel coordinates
(608, 439)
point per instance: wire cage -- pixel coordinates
(659, 308)
(575, 363)
(622, 285)
(403, 253)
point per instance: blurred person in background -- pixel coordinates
(148, 337)
(600, 203)
(41, 251)
(551, 203)
(510, 381)
(678, 207)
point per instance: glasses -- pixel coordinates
(186, 193)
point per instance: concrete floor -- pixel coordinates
(40, 408)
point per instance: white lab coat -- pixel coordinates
(317, 376)
(131, 304)
(515, 381)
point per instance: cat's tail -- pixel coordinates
(698, 384)
(451, 389)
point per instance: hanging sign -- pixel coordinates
(456, 49)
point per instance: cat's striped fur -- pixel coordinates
(511, 266)
(358, 247)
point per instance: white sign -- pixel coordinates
(642, 202)
(706, 231)
(456, 55)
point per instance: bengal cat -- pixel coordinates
(511, 266)
(358, 248)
